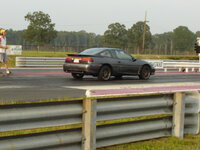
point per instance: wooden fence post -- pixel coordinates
(178, 115)
(89, 124)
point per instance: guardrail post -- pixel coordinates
(178, 115)
(89, 124)
(193, 69)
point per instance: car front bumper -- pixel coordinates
(153, 71)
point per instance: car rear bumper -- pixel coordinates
(81, 68)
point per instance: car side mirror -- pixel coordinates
(133, 59)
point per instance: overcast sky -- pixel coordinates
(95, 15)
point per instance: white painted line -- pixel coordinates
(129, 86)
(13, 87)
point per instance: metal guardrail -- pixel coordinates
(65, 139)
(58, 62)
(30, 116)
(133, 131)
(110, 109)
(39, 61)
(119, 108)
(101, 119)
(192, 119)
(182, 66)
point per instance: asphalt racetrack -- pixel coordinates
(32, 84)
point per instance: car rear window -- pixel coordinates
(91, 51)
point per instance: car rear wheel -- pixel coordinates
(77, 75)
(145, 73)
(104, 73)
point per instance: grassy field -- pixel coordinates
(43, 54)
(63, 54)
(190, 142)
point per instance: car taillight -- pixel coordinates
(87, 60)
(68, 59)
(90, 59)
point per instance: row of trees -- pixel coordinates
(64, 41)
(180, 39)
(40, 31)
(77, 40)
(118, 36)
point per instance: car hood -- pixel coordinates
(143, 62)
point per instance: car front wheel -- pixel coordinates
(145, 73)
(104, 73)
(77, 75)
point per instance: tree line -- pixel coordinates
(41, 33)
(67, 40)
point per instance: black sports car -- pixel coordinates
(106, 62)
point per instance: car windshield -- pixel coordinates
(91, 51)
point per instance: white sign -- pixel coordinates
(14, 50)
(156, 63)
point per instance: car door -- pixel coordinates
(126, 62)
(109, 58)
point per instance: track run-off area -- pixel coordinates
(33, 84)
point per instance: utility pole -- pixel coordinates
(144, 32)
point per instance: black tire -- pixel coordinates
(145, 73)
(104, 73)
(77, 75)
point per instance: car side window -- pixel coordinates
(123, 55)
(105, 54)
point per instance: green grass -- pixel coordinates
(190, 142)
(43, 54)
(173, 57)
(15, 102)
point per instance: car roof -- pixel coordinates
(105, 48)
(94, 51)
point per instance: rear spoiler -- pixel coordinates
(80, 55)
